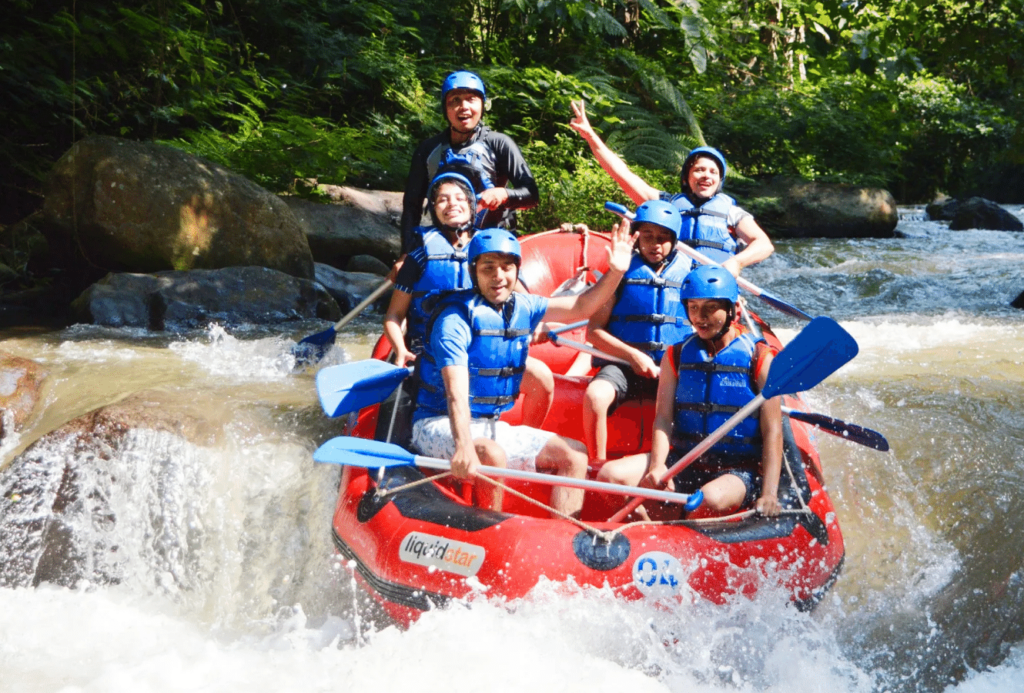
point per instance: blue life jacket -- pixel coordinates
(710, 390)
(705, 228)
(648, 314)
(445, 270)
(497, 357)
(475, 161)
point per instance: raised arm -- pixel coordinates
(580, 307)
(633, 185)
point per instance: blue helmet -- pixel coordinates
(462, 80)
(710, 281)
(663, 214)
(493, 241)
(462, 182)
(692, 156)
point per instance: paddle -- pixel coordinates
(846, 431)
(312, 348)
(819, 350)
(770, 299)
(349, 387)
(837, 427)
(373, 454)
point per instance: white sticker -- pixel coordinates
(658, 574)
(441, 553)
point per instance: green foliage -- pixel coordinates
(915, 95)
(574, 187)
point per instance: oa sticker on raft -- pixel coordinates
(658, 574)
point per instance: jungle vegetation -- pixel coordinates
(917, 96)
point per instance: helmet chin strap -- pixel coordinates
(730, 316)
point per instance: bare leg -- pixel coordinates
(539, 387)
(566, 458)
(490, 453)
(627, 471)
(724, 494)
(598, 399)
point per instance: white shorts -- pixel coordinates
(521, 444)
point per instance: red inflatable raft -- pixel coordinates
(424, 545)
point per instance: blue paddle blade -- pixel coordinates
(352, 386)
(818, 351)
(847, 431)
(359, 452)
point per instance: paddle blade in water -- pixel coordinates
(818, 351)
(847, 431)
(314, 347)
(352, 386)
(359, 452)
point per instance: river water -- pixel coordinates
(224, 577)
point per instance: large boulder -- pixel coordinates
(942, 208)
(794, 208)
(979, 213)
(189, 300)
(142, 207)
(59, 499)
(350, 288)
(21, 383)
(354, 222)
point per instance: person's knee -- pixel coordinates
(489, 453)
(599, 396)
(567, 456)
(721, 497)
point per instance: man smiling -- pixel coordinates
(489, 159)
(474, 362)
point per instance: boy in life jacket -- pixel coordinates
(645, 319)
(490, 160)
(435, 268)
(474, 362)
(712, 222)
(704, 381)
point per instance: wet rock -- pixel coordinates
(1019, 301)
(60, 498)
(794, 208)
(189, 300)
(21, 383)
(358, 223)
(979, 213)
(120, 205)
(350, 288)
(942, 208)
(367, 264)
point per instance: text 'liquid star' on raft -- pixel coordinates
(441, 552)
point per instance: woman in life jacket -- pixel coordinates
(712, 221)
(436, 268)
(705, 379)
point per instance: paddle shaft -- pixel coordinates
(552, 480)
(698, 450)
(362, 304)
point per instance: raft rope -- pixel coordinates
(607, 535)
